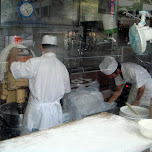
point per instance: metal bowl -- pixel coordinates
(10, 120)
(10, 116)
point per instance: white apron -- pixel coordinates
(145, 99)
(41, 116)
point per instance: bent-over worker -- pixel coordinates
(141, 89)
(48, 82)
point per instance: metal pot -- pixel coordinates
(11, 120)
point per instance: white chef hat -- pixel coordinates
(49, 39)
(109, 65)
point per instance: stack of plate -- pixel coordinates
(143, 113)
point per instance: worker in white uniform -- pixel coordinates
(48, 82)
(141, 89)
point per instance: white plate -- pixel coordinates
(143, 112)
(131, 118)
(137, 116)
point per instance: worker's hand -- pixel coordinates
(135, 103)
(12, 57)
(110, 101)
(14, 52)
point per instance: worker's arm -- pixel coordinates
(139, 95)
(116, 94)
(12, 57)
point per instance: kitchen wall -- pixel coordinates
(78, 24)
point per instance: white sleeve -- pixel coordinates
(118, 80)
(139, 79)
(22, 70)
(67, 81)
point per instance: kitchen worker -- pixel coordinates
(141, 89)
(48, 82)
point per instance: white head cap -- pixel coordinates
(109, 65)
(49, 39)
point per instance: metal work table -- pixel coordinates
(102, 132)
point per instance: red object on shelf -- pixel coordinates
(18, 40)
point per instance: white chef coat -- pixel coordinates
(48, 82)
(137, 76)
